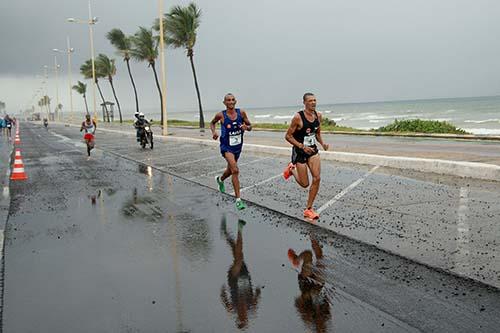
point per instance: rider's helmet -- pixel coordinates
(141, 115)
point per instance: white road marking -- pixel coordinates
(189, 162)
(174, 155)
(259, 183)
(223, 169)
(346, 190)
(462, 254)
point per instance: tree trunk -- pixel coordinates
(86, 106)
(133, 85)
(116, 98)
(202, 119)
(159, 92)
(105, 108)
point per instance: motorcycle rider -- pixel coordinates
(8, 124)
(139, 125)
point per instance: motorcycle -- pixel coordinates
(146, 136)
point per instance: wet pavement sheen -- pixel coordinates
(112, 245)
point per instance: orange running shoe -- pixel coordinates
(294, 259)
(288, 170)
(311, 214)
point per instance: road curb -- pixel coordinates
(463, 169)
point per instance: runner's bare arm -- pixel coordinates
(217, 118)
(325, 146)
(294, 125)
(81, 128)
(246, 123)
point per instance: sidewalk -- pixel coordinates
(474, 159)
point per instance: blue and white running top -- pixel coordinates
(231, 138)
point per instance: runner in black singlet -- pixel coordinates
(304, 133)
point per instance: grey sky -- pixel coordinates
(268, 52)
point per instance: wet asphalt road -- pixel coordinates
(113, 245)
(445, 222)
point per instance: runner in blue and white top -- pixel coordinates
(234, 122)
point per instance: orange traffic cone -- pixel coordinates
(18, 170)
(17, 141)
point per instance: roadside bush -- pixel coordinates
(422, 126)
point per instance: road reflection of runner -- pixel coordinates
(242, 300)
(313, 304)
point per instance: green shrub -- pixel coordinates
(422, 126)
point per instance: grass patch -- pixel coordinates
(326, 125)
(421, 126)
(398, 126)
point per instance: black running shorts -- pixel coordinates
(299, 156)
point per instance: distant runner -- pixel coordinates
(89, 126)
(234, 122)
(304, 132)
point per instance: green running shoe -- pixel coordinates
(240, 204)
(222, 187)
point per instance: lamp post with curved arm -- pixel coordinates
(91, 21)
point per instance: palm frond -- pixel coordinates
(105, 66)
(86, 69)
(144, 45)
(80, 88)
(181, 25)
(120, 41)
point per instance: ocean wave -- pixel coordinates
(375, 121)
(386, 117)
(338, 119)
(440, 119)
(327, 111)
(263, 116)
(283, 117)
(484, 131)
(482, 121)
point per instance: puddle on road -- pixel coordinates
(192, 269)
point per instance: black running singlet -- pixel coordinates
(307, 134)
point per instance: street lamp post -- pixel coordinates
(90, 22)
(68, 50)
(45, 82)
(56, 71)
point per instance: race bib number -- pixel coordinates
(310, 140)
(235, 140)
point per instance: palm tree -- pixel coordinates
(45, 101)
(81, 88)
(40, 105)
(124, 44)
(145, 48)
(108, 69)
(180, 26)
(86, 71)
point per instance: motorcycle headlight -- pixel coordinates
(146, 128)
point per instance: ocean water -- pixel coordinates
(478, 115)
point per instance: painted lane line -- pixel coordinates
(223, 169)
(172, 156)
(259, 183)
(346, 190)
(189, 162)
(462, 253)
